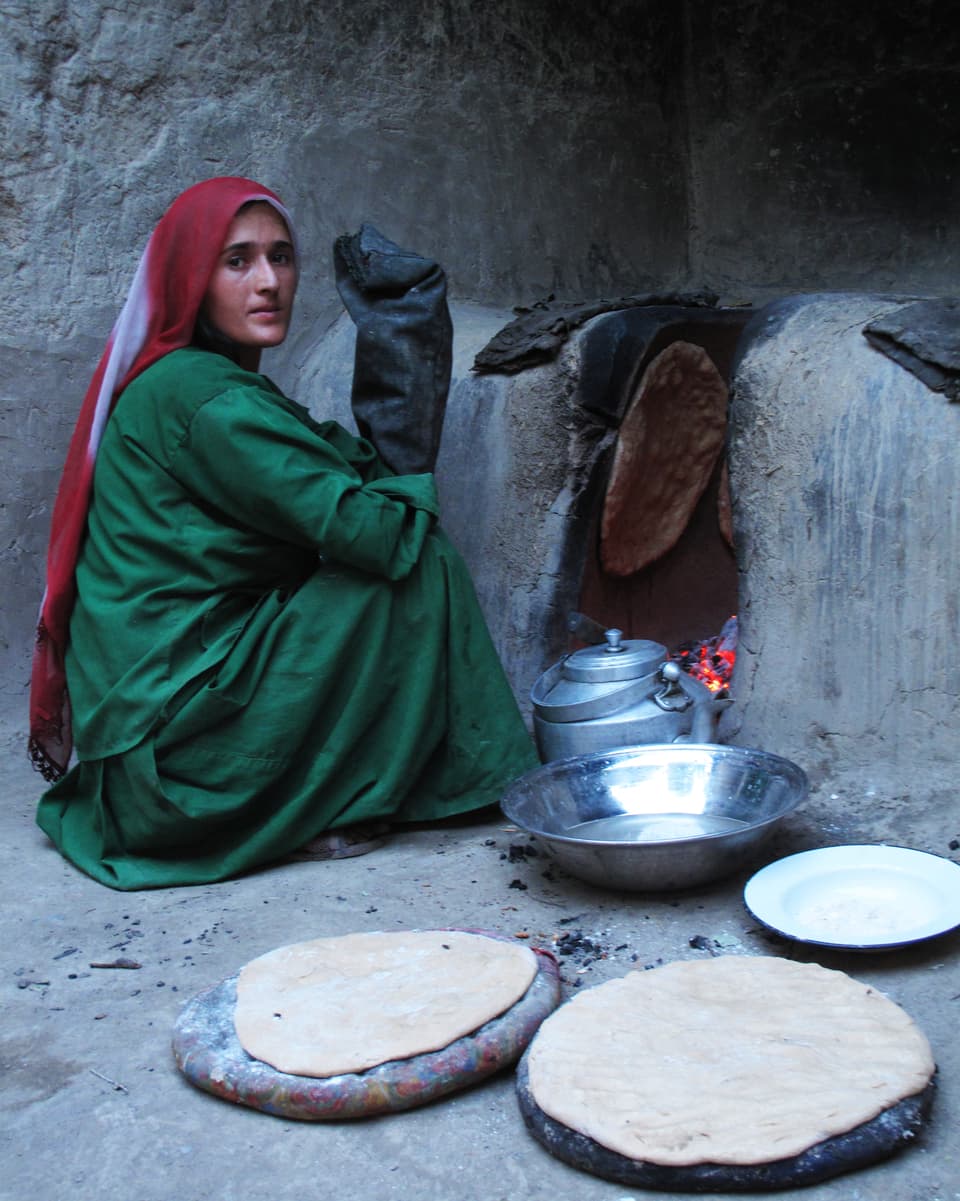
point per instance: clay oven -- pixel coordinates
(844, 523)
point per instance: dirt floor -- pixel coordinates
(94, 1106)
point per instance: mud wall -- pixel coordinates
(823, 146)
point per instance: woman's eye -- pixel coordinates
(283, 257)
(236, 260)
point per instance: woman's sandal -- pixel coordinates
(345, 843)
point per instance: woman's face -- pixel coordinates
(250, 295)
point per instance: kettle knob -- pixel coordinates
(614, 638)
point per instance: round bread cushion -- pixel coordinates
(339, 1005)
(869, 1143)
(734, 1074)
(208, 1052)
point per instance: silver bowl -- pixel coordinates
(656, 817)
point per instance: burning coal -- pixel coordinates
(712, 660)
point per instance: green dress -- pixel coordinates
(272, 638)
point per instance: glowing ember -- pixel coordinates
(712, 660)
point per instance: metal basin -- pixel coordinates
(656, 817)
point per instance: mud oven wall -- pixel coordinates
(845, 517)
(846, 483)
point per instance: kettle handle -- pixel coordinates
(599, 706)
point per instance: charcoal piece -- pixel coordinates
(873, 1141)
(923, 338)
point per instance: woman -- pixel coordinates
(259, 632)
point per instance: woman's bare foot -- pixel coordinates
(344, 843)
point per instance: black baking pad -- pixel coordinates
(869, 1143)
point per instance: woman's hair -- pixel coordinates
(206, 336)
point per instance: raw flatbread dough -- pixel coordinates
(335, 1005)
(735, 1060)
(667, 446)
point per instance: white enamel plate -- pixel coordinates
(859, 897)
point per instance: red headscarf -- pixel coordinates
(158, 317)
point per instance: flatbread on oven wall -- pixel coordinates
(667, 446)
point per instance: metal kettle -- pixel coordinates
(619, 693)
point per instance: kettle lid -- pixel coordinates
(616, 659)
(598, 680)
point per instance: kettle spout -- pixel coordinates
(706, 706)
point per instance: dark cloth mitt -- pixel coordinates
(538, 332)
(925, 339)
(402, 363)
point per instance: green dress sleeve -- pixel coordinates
(248, 453)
